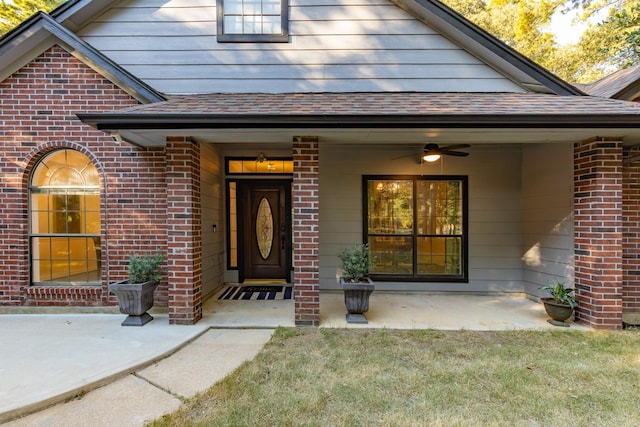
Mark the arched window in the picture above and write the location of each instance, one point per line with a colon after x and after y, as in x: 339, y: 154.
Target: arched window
x: 64, y: 214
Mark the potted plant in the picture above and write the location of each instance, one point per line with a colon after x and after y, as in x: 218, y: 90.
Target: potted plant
x: 135, y: 295
x: 355, y: 282
x: 561, y: 304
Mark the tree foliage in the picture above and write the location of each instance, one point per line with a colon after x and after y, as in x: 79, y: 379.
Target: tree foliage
x: 608, y: 43
x: 13, y: 12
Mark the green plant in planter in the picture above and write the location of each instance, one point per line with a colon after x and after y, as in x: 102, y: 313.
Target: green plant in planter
x: 355, y: 263
x: 560, y: 293
x: 135, y: 295
x: 146, y: 268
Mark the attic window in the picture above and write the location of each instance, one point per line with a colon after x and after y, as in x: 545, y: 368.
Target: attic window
x: 253, y: 21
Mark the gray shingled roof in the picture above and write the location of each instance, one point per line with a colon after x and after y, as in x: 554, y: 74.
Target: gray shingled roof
x: 390, y: 103
x: 613, y: 84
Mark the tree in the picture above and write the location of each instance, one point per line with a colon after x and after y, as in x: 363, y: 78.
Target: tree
x: 609, y: 42
x: 13, y: 12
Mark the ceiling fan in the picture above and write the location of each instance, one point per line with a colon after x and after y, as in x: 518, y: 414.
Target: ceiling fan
x: 432, y: 152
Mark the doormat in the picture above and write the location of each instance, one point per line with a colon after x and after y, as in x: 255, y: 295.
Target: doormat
x: 257, y: 292
x: 249, y: 282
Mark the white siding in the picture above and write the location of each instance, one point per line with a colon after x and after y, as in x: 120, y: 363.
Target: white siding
x: 495, y: 230
x: 547, y: 215
x: 335, y: 46
x: 213, y: 255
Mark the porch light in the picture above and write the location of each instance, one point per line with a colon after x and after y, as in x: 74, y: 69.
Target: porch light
x: 431, y: 157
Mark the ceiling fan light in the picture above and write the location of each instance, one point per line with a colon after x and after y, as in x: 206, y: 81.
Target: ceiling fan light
x: 431, y: 157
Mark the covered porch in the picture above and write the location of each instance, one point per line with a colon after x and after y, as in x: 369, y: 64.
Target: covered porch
x: 539, y: 166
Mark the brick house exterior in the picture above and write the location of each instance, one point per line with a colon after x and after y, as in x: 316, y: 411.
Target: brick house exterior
x: 163, y: 160
x: 37, y: 112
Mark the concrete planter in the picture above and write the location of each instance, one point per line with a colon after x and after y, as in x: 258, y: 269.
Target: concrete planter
x: 557, y: 311
x: 134, y: 299
x: 356, y: 299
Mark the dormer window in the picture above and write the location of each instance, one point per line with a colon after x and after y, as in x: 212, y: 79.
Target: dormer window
x: 253, y: 21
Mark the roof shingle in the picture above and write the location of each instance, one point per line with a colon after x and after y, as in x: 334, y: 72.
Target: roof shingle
x: 389, y: 103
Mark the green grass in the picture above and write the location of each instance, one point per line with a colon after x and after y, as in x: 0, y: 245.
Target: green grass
x: 336, y: 377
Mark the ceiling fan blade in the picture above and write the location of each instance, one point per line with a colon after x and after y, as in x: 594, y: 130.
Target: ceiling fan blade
x: 455, y: 147
x: 455, y: 153
x: 408, y: 155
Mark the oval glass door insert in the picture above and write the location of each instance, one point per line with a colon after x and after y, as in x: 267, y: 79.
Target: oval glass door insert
x: 264, y: 228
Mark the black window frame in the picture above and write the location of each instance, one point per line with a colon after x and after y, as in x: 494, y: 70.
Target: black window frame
x: 414, y: 277
x: 283, y: 37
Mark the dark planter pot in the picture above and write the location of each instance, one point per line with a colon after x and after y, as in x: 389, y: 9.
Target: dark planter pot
x: 134, y: 299
x: 557, y: 311
x: 356, y: 299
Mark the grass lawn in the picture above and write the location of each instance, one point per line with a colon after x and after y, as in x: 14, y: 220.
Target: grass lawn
x: 349, y: 377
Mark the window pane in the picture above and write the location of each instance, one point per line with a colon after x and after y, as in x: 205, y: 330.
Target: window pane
x: 233, y: 226
x: 40, y: 214
x: 252, y: 25
x: 90, y: 175
x: 233, y: 24
x: 66, y: 177
x: 390, y: 207
x: 252, y: 7
x: 272, y: 7
x: 267, y: 166
x: 439, y: 255
x: 391, y: 255
x: 233, y: 7
x: 271, y: 25
x: 439, y: 205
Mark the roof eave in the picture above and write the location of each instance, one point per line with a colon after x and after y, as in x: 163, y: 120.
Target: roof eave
x: 120, y: 121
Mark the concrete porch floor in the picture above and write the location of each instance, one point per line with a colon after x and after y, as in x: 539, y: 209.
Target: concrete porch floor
x: 392, y: 310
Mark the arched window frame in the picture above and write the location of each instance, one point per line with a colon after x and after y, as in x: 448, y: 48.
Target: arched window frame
x: 64, y: 220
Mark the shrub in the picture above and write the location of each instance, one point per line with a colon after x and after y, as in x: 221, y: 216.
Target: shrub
x: 146, y: 268
x: 354, y: 262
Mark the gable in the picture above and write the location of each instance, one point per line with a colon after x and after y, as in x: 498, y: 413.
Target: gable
x: 334, y: 46
x: 40, y: 32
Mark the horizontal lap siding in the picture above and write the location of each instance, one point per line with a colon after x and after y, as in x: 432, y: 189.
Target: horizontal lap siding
x: 334, y: 46
x: 495, y: 230
x: 213, y: 255
x: 547, y: 215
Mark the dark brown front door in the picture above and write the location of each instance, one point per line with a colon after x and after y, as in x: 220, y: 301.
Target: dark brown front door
x: 266, y: 230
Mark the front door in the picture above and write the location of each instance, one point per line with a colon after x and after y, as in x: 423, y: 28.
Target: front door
x: 266, y: 213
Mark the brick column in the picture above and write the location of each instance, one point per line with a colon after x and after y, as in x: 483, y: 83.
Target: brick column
x: 184, y: 234
x: 598, y: 232
x: 631, y: 237
x: 306, y: 240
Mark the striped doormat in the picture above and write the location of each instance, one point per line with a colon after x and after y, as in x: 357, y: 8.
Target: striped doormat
x: 256, y: 292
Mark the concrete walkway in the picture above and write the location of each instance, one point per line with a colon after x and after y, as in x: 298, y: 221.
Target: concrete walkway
x: 87, y: 370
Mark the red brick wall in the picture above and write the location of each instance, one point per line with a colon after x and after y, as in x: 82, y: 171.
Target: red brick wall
x: 631, y: 238
x: 184, y: 217
x: 306, y: 232
x: 37, y: 111
x: 598, y: 233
